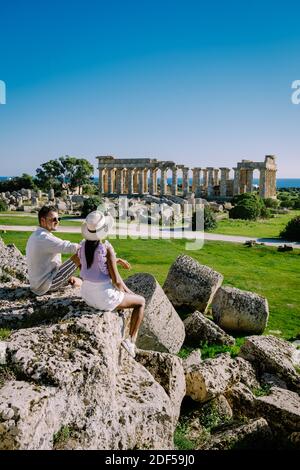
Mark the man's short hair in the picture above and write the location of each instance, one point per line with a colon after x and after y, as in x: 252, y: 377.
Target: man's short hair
x: 44, y: 211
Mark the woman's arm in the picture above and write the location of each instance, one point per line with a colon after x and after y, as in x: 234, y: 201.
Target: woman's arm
x: 114, y: 273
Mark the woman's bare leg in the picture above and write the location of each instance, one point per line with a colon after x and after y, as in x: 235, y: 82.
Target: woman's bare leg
x: 138, y: 304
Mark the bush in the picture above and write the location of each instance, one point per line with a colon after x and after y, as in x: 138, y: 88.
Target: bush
x: 210, y: 221
x: 292, y: 230
x: 248, y: 206
x: 3, y: 206
x: 90, y: 205
x: 90, y: 189
x: 297, y: 204
x: 271, y: 203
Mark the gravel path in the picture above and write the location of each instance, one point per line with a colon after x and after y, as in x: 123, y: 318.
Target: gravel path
x: 144, y: 231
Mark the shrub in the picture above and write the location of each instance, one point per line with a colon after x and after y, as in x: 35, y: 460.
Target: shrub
x: 210, y: 221
x: 90, y: 205
x: 292, y: 230
x: 248, y: 206
x: 297, y: 204
x: 271, y: 203
x: 3, y: 206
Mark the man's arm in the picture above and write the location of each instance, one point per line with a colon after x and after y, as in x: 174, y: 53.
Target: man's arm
x: 56, y: 245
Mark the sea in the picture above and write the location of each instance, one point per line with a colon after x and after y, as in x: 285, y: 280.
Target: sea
x: 280, y: 182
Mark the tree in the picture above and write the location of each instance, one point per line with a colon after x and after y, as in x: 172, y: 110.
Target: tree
x: 292, y: 230
x: 3, y: 206
x: 66, y: 171
x: 89, y: 205
x: 18, y: 182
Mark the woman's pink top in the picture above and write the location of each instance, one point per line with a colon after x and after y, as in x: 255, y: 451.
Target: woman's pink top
x: 98, y: 271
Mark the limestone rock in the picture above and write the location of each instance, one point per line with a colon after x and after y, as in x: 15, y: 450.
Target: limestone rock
x: 281, y: 408
x: 162, y: 329
x: 274, y: 355
x: 211, y: 378
x: 200, y: 329
x: 74, y: 374
x: 191, y: 285
x: 237, y: 310
x: 241, y: 400
x: 168, y: 371
x: 19, y: 307
x: 248, y: 374
x: 256, y: 434
x: 272, y: 380
x: 194, y: 359
x: 12, y: 263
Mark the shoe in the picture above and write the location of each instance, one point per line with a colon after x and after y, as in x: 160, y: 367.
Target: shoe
x: 129, y: 346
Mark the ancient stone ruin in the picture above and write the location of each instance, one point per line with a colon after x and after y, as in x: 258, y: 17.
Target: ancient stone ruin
x: 140, y: 176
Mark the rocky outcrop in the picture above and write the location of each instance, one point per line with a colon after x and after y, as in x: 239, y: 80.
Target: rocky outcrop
x: 193, y: 359
x: 73, y: 374
x: 168, y: 371
x: 281, y: 408
x: 200, y: 329
x: 191, y: 285
x: 12, y: 263
x: 162, y: 329
x: 211, y: 378
x: 273, y: 355
x: 237, y: 310
x: 256, y: 434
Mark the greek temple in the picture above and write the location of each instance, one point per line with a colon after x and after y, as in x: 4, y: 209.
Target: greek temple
x: 142, y: 176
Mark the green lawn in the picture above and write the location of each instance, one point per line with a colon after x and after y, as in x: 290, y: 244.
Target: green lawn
x: 30, y: 220
x: 265, y: 228
x: 259, y: 269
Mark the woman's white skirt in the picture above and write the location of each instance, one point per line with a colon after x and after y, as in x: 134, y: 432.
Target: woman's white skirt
x: 101, y: 295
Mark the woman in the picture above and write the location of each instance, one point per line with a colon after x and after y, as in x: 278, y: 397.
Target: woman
x: 103, y: 287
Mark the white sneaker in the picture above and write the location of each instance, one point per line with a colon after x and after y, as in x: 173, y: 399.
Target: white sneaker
x: 129, y: 346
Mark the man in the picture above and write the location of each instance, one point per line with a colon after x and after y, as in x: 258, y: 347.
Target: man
x: 43, y: 254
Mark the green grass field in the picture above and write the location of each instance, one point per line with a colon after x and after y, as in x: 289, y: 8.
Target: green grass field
x: 259, y: 269
x: 265, y: 228
x: 8, y: 219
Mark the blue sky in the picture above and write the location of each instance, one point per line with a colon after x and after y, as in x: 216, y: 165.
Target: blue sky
x: 197, y: 83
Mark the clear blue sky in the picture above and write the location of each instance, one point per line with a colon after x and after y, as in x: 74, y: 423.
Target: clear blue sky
x: 200, y: 83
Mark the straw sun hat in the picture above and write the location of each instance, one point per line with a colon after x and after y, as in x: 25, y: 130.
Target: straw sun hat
x: 97, y: 226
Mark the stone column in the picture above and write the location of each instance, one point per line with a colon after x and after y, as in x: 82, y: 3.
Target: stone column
x: 224, y: 179
x: 105, y: 181
x: 163, y: 181
x: 174, y: 181
x: 216, y: 177
x: 145, y: 173
x: 262, y: 183
x: 141, y: 181
x: 119, y: 181
x: 236, y: 182
x: 109, y: 181
x: 185, y: 181
x: 130, y: 180
x: 100, y: 184
x: 249, y: 180
x: 196, y: 182
x: 155, y: 170
x: 125, y: 180
x: 205, y: 178
x: 135, y: 181
x: 39, y: 194
x: 210, y: 184
x: 151, y: 181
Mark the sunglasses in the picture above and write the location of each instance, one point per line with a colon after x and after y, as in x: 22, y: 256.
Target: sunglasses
x: 55, y: 219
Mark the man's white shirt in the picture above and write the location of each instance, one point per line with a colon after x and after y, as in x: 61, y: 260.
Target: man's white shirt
x: 43, y: 255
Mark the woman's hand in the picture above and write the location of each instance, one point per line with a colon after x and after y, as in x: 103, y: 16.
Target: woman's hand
x: 123, y: 263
